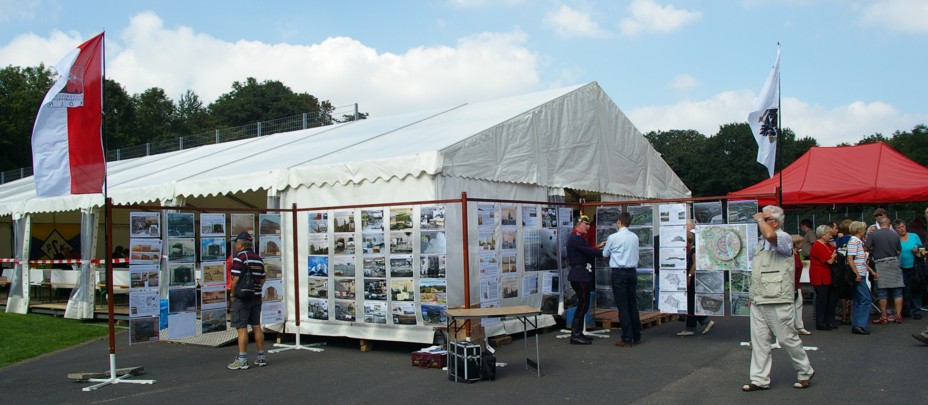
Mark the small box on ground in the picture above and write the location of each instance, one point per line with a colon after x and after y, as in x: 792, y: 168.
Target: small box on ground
x: 433, y: 359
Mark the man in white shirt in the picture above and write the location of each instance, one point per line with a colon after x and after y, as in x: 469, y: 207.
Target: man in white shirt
x: 622, y: 250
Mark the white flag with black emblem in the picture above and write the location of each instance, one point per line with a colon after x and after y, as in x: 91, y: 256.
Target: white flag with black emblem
x: 764, y: 118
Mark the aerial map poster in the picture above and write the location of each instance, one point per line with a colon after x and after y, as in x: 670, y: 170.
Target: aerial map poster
x: 721, y: 247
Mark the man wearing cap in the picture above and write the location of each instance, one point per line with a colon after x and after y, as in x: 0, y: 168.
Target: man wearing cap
x: 877, y: 214
x: 247, y: 311
x: 580, y: 256
x: 622, y: 250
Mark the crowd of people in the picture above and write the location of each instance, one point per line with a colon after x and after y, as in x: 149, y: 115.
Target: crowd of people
x: 853, y: 265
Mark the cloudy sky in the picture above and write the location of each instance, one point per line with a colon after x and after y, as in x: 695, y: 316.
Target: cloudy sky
x: 849, y: 68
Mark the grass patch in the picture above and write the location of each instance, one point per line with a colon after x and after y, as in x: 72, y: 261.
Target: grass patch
x: 27, y: 336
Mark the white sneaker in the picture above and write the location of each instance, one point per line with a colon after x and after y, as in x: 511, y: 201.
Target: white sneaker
x: 708, y: 327
x: 238, y: 364
x: 260, y: 362
x: 685, y: 333
x: 803, y: 331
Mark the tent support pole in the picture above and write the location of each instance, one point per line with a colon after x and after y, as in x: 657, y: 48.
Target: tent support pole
x: 296, y: 294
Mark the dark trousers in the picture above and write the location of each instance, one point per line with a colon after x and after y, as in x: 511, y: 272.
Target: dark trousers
x: 912, y: 296
x: 624, y: 291
x: 826, y: 298
x: 582, y: 289
x: 691, y: 319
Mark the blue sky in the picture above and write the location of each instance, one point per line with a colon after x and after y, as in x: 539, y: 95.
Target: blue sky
x: 849, y: 68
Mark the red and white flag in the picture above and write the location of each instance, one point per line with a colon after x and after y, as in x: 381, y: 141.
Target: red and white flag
x: 67, y: 146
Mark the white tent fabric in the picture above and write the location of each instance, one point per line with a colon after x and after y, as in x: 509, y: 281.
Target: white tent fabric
x: 570, y: 137
x: 518, y: 148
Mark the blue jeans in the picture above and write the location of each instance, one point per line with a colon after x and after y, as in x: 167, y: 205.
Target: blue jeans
x: 624, y: 291
x: 861, y: 305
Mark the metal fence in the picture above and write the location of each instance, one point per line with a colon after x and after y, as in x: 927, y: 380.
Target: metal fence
x: 253, y: 130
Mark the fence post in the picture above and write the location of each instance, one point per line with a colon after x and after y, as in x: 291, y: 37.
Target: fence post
x: 217, y: 136
x: 355, y: 111
x: 180, y: 140
x: 305, y: 120
x: 148, y: 149
x: 259, y: 129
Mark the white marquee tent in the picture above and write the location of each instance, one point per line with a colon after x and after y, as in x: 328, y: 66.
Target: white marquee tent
x: 526, y: 147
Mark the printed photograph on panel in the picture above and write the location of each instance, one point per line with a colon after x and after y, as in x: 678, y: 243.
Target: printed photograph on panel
x: 343, y: 266
x: 375, y: 289
x: 708, y: 212
x: 269, y: 224
x: 181, y: 225
x: 375, y: 266
x: 432, y: 242
x: 372, y: 220
x: 182, y: 249
x: 318, y: 266
x: 432, y: 217
x: 401, y: 266
x: 400, y: 218
x: 345, y: 288
x: 432, y: 266
x: 434, y: 315
x: 345, y: 311
x: 317, y: 309
x: 375, y: 312
x: 401, y: 289
x: 401, y: 241
x: 344, y: 221
x: 213, y: 225
x: 318, y: 222
x: 404, y: 313
x: 243, y: 223
x: 144, y: 225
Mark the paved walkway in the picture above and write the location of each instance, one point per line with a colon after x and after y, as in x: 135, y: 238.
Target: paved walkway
x: 886, y: 367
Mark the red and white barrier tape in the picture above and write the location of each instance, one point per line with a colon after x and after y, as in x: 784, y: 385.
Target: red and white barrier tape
x: 62, y: 261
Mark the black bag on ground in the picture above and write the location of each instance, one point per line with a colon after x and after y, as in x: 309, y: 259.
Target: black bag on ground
x: 487, y: 366
x: 245, y: 287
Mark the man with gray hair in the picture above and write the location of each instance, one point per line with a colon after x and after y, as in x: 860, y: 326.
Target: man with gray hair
x: 771, y: 303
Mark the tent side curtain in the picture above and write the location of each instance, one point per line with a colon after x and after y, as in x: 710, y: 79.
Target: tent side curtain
x: 861, y: 174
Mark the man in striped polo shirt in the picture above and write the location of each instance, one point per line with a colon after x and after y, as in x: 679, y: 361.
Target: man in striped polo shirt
x: 247, y: 311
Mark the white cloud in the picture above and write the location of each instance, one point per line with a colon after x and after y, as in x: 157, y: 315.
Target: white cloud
x: 568, y: 22
x: 829, y: 126
x: 897, y: 15
x: 647, y: 15
x: 340, y: 69
x: 31, y: 49
x: 683, y: 82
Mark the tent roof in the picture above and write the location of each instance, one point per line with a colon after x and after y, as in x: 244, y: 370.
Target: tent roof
x: 871, y: 173
x: 569, y: 137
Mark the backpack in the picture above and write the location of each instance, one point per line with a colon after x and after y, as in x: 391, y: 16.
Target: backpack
x: 245, y: 287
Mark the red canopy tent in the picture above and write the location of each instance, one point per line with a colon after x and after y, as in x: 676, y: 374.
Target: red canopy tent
x: 871, y: 173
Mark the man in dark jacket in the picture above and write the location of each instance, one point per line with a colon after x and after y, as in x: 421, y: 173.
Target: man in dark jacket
x: 580, y: 256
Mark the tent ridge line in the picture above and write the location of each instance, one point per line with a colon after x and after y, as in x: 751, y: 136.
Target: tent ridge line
x: 365, y: 140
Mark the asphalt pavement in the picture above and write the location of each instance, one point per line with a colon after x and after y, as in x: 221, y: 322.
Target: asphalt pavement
x: 888, y: 366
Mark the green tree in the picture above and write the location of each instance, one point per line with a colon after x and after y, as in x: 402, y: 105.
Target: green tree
x: 684, y: 151
x: 190, y: 115
x: 118, y: 117
x: 913, y: 144
x: 154, y: 112
x: 21, y: 93
x: 251, y: 102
